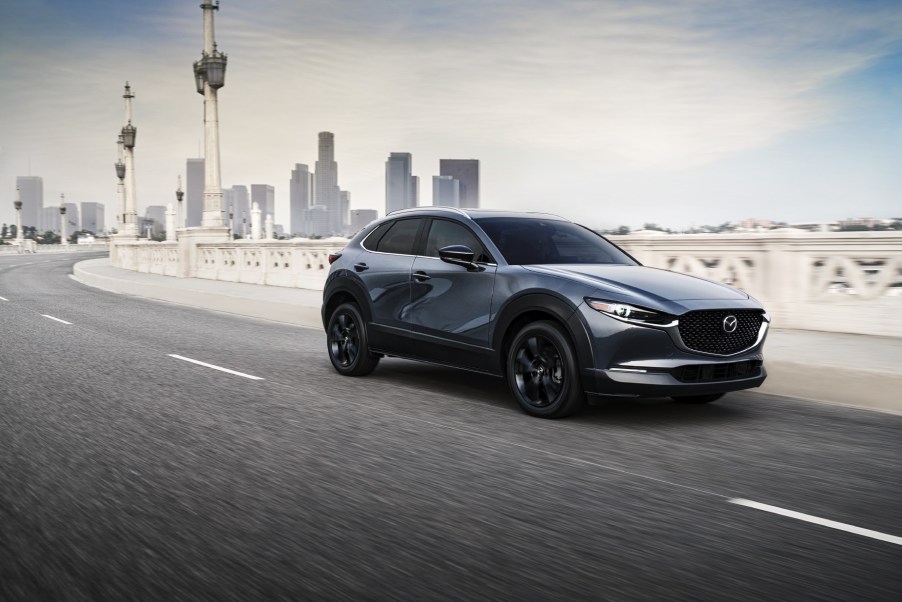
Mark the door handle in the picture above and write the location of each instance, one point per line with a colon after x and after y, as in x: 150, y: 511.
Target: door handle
x: 421, y: 276
x: 360, y: 267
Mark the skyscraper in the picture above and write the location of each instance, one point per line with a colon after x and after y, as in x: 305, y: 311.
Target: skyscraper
x: 401, y: 188
x: 72, y: 219
x: 92, y: 217
x: 301, y: 193
x: 236, y: 200
x: 265, y: 197
x: 361, y: 217
x: 326, y: 191
x: 31, y: 193
x: 465, y: 171
x: 194, y: 192
x: 445, y: 191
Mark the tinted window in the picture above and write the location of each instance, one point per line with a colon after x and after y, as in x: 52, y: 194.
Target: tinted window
x: 444, y: 233
x: 400, y: 237
x: 525, y: 241
x: 372, y: 240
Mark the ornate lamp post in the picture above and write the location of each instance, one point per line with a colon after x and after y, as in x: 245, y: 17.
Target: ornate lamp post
x: 18, y: 205
x: 209, y: 76
x: 179, y: 196
x: 64, y: 240
x: 120, y: 187
x: 128, y: 142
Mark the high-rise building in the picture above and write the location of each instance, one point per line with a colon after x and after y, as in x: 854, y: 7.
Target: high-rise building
x: 72, y: 218
x: 325, y: 190
x: 465, y: 171
x: 92, y: 217
x: 155, y: 220
x: 265, y: 197
x: 236, y: 200
x: 445, y: 191
x: 31, y: 193
x: 316, y: 221
x: 401, y: 188
x: 361, y: 217
x: 50, y: 219
x: 194, y: 192
x: 344, y: 209
x: 301, y: 194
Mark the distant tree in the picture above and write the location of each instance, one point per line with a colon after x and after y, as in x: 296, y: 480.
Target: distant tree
x: 650, y: 226
x: 47, y: 238
x: 896, y: 225
x: 853, y: 228
x: 3, y: 231
x: 623, y: 230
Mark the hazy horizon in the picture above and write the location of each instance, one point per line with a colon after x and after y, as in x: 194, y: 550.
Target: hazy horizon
x: 678, y: 113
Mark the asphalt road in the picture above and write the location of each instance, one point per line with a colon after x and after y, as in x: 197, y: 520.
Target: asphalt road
x: 127, y: 473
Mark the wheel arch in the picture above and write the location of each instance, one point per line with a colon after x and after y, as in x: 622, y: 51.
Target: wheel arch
x: 532, y: 307
x: 345, y: 290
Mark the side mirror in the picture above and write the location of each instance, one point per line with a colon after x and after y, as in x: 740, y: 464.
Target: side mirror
x: 458, y: 255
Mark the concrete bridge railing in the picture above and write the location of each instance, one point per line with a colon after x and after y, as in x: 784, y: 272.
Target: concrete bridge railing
x: 833, y: 282
x: 30, y: 246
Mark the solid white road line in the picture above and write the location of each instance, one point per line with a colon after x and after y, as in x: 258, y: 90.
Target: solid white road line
x: 820, y: 521
x: 220, y: 368
x: 57, y: 319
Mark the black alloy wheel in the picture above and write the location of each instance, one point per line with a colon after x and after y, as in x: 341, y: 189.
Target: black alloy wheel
x: 348, y: 344
x: 542, y: 372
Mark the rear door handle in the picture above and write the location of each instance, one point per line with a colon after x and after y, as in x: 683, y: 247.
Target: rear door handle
x: 421, y: 276
x: 360, y: 267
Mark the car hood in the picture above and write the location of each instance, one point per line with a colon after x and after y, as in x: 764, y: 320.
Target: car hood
x: 643, y: 282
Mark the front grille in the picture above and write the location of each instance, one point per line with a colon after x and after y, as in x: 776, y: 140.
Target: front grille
x: 703, y: 331
x: 702, y: 373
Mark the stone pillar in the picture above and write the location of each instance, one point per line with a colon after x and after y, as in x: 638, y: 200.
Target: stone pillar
x: 268, y: 227
x: 255, y: 221
x: 170, y: 223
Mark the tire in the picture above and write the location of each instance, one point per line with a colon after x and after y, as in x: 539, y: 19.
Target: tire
x: 347, y: 342
x: 542, y: 372
x: 698, y: 398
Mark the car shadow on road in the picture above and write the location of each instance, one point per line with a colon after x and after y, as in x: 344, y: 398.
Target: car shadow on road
x: 493, y: 392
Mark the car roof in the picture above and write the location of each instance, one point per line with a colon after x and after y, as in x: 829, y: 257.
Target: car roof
x: 473, y: 213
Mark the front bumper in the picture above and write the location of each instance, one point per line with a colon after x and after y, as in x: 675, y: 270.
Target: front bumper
x: 640, y: 361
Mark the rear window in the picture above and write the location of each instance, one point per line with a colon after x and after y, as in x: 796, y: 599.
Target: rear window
x: 526, y: 241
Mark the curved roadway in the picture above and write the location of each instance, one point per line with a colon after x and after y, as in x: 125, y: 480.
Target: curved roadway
x: 130, y: 471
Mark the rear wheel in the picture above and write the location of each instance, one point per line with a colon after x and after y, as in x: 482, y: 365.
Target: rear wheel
x: 348, y: 343
x: 698, y: 398
x: 542, y: 371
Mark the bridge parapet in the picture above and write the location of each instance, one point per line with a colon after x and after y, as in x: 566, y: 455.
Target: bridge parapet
x: 832, y: 282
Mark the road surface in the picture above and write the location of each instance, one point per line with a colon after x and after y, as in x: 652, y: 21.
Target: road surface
x: 151, y: 451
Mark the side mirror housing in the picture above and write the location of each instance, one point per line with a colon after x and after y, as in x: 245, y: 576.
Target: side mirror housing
x: 458, y: 255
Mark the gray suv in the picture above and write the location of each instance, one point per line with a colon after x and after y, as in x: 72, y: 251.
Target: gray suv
x: 554, y: 308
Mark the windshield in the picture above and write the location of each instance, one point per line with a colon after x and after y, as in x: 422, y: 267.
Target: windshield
x: 525, y: 241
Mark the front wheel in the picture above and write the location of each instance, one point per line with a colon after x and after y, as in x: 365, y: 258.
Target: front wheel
x: 698, y: 398
x: 542, y: 371
x: 348, y: 343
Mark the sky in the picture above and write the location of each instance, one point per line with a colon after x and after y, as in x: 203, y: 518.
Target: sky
x: 607, y: 112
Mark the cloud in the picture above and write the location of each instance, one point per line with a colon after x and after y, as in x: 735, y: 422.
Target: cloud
x: 611, y: 87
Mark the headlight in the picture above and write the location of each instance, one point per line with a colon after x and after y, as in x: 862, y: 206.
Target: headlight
x: 631, y: 313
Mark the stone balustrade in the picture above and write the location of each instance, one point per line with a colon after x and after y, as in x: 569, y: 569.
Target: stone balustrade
x: 30, y: 246
x: 835, y: 282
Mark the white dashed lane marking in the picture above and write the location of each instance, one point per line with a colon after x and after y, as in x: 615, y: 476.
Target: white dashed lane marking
x: 220, y: 368
x: 57, y: 319
x: 819, y: 521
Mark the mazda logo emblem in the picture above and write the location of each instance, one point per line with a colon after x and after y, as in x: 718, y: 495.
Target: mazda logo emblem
x: 729, y: 324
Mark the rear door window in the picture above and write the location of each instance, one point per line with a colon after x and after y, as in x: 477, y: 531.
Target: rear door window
x: 400, y: 238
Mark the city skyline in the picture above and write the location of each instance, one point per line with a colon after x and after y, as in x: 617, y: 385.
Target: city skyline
x: 674, y: 113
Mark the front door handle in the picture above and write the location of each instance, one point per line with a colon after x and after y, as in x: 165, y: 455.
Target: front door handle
x: 361, y: 267
x: 421, y: 276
